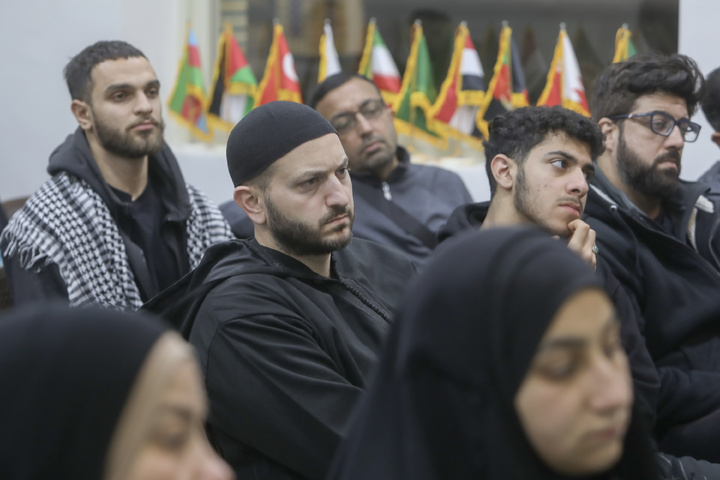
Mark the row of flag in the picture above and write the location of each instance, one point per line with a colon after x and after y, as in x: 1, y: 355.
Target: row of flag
x: 461, y: 110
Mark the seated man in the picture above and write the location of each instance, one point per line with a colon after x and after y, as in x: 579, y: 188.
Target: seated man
x: 656, y: 232
x: 397, y: 203
x: 539, y: 162
x: 116, y: 223
x: 287, y: 324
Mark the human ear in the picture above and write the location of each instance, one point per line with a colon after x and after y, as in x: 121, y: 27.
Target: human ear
x: 503, y: 169
x: 610, y: 131
x: 249, y: 198
x: 83, y: 114
x: 715, y: 137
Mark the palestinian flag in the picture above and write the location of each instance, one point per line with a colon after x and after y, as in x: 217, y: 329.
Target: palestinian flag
x: 234, y: 84
x: 378, y: 65
x: 564, y: 85
x: 461, y: 94
x: 187, y: 102
x: 280, y: 80
x: 507, y: 89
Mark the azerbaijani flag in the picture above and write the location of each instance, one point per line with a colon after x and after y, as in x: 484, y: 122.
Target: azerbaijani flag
x: 329, y: 58
x: 564, y: 84
x: 234, y: 84
x: 461, y: 94
x: 417, y: 95
x: 378, y: 65
x: 280, y: 80
x: 624, y: 46
x: 507, y: 89
x: 187, y: 102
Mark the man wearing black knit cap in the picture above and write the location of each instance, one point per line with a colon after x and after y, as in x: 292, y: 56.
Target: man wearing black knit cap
x: 287, y: 324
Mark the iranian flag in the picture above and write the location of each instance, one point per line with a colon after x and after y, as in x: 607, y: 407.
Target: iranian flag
x: 564, y: 84
x: 378, y: 65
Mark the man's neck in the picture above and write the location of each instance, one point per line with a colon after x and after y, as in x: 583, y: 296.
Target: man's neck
x: 319, y: 264
x: 129, y: 175
x: 501, y: 213
x: 649, y: 205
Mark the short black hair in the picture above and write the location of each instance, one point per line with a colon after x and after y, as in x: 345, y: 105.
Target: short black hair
x: 78, y: 72
x: 334, y: 81
x: 711, y: 101
x: 621, y: 84
x: 518, y: 131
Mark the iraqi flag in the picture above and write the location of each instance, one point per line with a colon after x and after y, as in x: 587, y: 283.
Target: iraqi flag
x: 461, y: 94
x: 378, y: 65
x: 234, y: 84
x: 329, y: 58
x: 280, y: 80
x: 564, y: 85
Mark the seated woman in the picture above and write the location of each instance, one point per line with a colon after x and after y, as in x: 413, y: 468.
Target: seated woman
x: 95, y: 394
x: 505, y: 362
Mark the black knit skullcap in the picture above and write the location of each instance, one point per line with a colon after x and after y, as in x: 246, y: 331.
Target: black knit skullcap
x: 269, y: 132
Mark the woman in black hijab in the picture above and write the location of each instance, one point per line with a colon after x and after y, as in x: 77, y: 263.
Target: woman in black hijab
x: 505, y: 363
x: 96, y: 394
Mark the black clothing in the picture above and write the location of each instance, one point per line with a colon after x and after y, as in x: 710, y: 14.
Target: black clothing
x: 645, y: 377
x: 676, y: 290
x: 66, y: 376
x: 443, y: 403
x: 77, y: 205
x: 285, y: 352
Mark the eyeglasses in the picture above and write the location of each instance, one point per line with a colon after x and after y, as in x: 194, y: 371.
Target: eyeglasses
x: 370, y: 109
x: 663, y: 124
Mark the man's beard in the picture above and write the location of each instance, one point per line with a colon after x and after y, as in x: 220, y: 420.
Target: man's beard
x: 647, y: 179
x: 524, y: 205
x: 298, y: 238
x: 123, y: 144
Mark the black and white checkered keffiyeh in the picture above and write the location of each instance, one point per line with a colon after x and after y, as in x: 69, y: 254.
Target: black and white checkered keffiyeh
x: 66, y: 223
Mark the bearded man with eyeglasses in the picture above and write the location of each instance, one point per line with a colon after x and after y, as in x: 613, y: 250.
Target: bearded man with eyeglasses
x: 397, y: 202
x: 657, y: 233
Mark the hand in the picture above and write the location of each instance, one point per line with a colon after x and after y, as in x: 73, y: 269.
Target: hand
x: 582, y: 241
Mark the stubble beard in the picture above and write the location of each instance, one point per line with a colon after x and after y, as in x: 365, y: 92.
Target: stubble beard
x: 647, y: 179
x: 128, y: 144
x: 298, y: 238
x: 524, y: 206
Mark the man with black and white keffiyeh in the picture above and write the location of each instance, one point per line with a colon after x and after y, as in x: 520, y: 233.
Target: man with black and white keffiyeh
x: 116, y: 223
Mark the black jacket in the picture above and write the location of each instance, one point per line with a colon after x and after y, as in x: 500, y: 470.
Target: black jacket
x: 285, y: 352
x: 645, y: 376
x: 676, y: 289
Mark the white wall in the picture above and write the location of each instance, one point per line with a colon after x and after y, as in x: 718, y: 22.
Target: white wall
x: 38, y: 37
x: 699, y: 37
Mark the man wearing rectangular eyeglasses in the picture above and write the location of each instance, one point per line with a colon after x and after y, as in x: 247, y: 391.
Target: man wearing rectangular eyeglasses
x: 656, y: 233
x: 397, y: 203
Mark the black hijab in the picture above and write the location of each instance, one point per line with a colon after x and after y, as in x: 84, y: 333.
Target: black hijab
x: 65, y: 376
x: 442, y: 404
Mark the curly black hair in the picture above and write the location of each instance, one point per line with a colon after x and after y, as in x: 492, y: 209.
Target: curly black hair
x: 517, y: 132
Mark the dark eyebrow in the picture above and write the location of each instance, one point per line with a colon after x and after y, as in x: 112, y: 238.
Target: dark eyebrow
x: 576, y: 343
x: 348, y: 112
x: 126, y: 86
x: 588, y: 168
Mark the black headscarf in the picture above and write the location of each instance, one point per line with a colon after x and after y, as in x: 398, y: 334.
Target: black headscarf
x: 442, y: 404
x: 65, y: 376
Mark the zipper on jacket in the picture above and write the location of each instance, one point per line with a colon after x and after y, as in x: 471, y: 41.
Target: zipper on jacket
x: 380, y: 311
x: 386, y: 191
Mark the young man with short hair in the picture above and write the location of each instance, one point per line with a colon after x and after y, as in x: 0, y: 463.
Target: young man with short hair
x: 116, y: 223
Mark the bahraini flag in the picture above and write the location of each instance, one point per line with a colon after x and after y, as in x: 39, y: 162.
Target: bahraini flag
x: 564, y: 85
x: 187, y: 103
x: 280, y: 80
x: 507, y: 89
x: 461, y: 94
x: 378, y: 65
x: 624, y: 46
x: 329, y: 58
x: 233, y: 85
